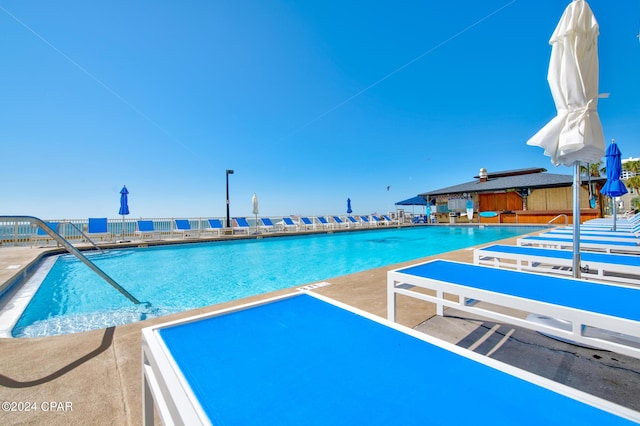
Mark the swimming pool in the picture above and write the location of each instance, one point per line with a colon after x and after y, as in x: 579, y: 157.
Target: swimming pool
x: 177, y: 278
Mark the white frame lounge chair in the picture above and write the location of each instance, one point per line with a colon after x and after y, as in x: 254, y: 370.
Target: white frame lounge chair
x: 184, y: 380
x: 621, y: 221
x: 98, y: 228
x: 388, y: 220
x: 338, y: 222
x: 585, y: 232
x: 183, y: 227
x: 41, y: 235
x: 352, y: 221
x: 215, y: 226
x: 610, y: 307
x: 585, y: 244
x: 324, y: 222
x: 307, y: 223
x: 365, y: 221
x: 266, y: 224
x: 240, y: 224
x: 620, y: 268
x: 289, y: 224
x: 591, y: 236
x: 609, y: 226
x: 377, y: 220
x: 146, y: 228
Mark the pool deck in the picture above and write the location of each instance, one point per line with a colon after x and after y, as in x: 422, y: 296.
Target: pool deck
x: 95, y: 377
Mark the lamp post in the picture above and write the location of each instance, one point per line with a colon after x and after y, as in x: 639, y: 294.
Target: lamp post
x: 229, y: 172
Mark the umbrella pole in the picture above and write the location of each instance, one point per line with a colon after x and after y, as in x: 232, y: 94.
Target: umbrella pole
x: 615, y: 211
x: 576, y: 221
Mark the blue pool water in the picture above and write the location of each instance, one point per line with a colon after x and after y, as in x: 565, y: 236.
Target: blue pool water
x: 177, y: 278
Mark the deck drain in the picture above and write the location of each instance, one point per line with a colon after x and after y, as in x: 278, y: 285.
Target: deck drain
x: 314, y: 285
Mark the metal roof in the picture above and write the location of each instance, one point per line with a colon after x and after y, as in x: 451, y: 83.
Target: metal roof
x: 414, y: 201
x: 515, y: 172
x: 529, y: 180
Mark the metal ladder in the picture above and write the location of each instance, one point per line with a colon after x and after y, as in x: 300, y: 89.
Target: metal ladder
x: 71, y: 249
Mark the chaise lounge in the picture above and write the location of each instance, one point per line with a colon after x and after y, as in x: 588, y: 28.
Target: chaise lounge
x: 266, y: 224
x: 146, y: 229
x: 611, y: 308
x: 41, y: 235
x: 215, y: 226
x: 241, y: 225
x: 206, y: 369
x: 618, y: 268
x: 183, y: 228
x: 611, y: 236
x: 98, y: 229
x: 289, y: 224
x: 324, y: 222
x: 585, y: 244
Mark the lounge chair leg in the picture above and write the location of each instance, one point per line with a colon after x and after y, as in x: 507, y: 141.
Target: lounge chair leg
x: 391, y: 301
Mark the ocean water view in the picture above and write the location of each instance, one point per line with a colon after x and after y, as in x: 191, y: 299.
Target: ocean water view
x: 180, y: 277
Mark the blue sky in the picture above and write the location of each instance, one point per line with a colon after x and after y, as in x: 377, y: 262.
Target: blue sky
x: 310, y: 102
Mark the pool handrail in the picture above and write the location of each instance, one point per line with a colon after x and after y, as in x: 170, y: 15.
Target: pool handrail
x: 86, y: 237
x: 71, y: 249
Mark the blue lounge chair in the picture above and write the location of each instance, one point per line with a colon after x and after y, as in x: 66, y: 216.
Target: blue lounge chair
x: 178, y: 372
x: 98, y: 228
x: 215, y: 226
x: 146, y: 229
x: 288, y: 223
x: 266, y: 224
x: 365, y: 220
x: 41, y: 235
x: 603, y: 308
x: 618, y: 268
x: 585, y: 244
x: 352, y: 221
x: 632, y: 220
x: 308, y: 223
x: 608, y: 225
x: 387, y: 219
x: 324, y: 222
x: 339, y: 222
x: 377, y: 220
x: 597, y: 231
x: 241, y: 225
x: 610, y: 236
x: 183, y: 228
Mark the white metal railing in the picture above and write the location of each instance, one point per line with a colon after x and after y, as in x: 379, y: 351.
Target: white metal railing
x: 566, y: 219
x: 54, y: 234
x: 24, y: 232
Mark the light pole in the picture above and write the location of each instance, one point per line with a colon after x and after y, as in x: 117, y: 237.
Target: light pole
x: 229, y: 172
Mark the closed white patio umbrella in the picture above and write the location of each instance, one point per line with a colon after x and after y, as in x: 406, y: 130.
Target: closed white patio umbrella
x: 575, y: 134
x: 254, y: 202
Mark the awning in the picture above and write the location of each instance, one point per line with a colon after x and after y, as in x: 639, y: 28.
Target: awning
x: 415, y: 201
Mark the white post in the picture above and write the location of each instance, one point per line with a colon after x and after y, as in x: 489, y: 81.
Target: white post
x: 391, y: 300
x: 576, y: 221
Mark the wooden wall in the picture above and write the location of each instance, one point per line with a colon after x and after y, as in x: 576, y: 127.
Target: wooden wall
x: 542, y: 206
x: 541, y: 217
x: 556, y: 199
x: 500, y: 201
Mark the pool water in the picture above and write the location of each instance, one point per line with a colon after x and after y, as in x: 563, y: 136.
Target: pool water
x: 180, y: 277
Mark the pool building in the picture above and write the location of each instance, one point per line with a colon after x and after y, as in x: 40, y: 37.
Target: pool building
x: 517, y: 196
